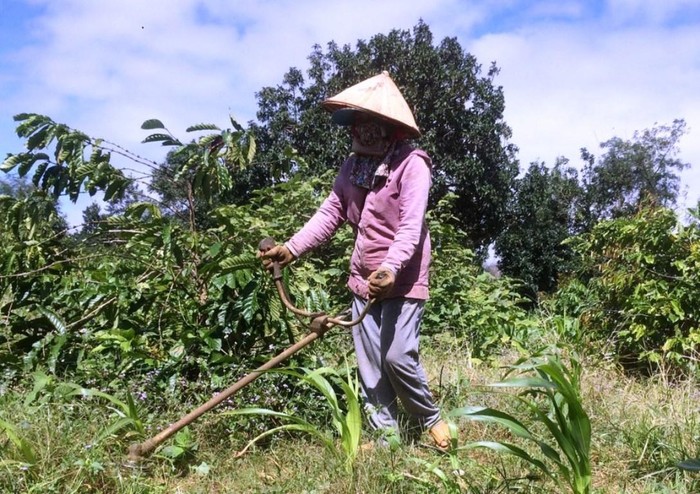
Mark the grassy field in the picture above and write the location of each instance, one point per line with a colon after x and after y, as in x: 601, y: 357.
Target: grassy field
x: 640, y: 430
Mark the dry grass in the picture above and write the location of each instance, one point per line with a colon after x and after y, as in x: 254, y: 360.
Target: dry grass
x: 641, y: 428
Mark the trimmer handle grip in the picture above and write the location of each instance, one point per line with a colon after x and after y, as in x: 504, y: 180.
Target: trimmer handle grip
x: 264, y: 246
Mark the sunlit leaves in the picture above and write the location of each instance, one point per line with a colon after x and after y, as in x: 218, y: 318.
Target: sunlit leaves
x: 79, y: 163
x: 211, y: 162
x: 466, y: 301
x: 165, y: 139
x: 201, y: 126
x: 641, y: 275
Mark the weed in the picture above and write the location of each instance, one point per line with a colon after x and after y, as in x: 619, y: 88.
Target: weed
x: 565, y: 420
x: 345, y: 414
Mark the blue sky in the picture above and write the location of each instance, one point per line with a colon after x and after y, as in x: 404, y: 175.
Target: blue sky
x: 574, y: 73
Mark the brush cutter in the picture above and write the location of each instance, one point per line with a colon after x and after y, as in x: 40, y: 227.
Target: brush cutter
x: 319, y: 325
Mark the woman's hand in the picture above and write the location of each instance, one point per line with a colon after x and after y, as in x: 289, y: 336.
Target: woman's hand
x: 380, y: 283
x: 279, y: 254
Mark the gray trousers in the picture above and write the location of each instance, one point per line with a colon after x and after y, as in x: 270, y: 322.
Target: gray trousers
x: 386, y: 346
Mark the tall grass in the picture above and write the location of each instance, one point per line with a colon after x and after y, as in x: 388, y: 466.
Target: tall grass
x: 567, y: 439
x: 640, y: 431
x: 345, y: 411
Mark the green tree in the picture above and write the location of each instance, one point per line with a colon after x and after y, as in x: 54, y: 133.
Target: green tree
x: 644, y: 169
x: 542, y: 216
x: 92, y: 217
x: 459, y: 110
x: 15, y: 186
x: 551, y: 205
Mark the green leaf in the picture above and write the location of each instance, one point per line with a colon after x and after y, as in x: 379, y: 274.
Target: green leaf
x: 177, y: 350
x: 54, y: 319
x: 152, y: 123
x: 80, y: 391
x: 166, y: 139
x: 22, y: 116
x: 214, y: 249
x: 235, y: 124
x: 201, y: 469
x: 244, y: 261
x: 202, y: 126
x: 502, y: 447
x: 167, y: 233
x: 23, y: 446
x: 39, y: 173
x: 172, y: 451
x: 12, y: 161
x: 41, y: 382
x: 137, y: 209
x: 118, y: 425
x: 252, y: 148
x: 493, y: 416
x: 261, y: 411
x: 524, y: 382
x: 115, y: 188
x: 58, y: 343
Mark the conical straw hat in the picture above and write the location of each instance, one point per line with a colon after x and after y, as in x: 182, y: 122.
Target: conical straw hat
x: 379, y: 96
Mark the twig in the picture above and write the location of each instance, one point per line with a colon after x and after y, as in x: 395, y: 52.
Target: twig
x: 92, y: 313
x: 48, y: 266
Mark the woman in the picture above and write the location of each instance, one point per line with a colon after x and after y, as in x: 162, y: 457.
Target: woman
x: 382, y: 192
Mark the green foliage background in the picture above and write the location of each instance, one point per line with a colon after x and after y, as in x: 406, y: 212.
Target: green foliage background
x: 162, y: 297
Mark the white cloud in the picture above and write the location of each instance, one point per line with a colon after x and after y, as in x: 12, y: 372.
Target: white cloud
x: 572, y: 76
x: 654, y: 11
x: 569, y: 86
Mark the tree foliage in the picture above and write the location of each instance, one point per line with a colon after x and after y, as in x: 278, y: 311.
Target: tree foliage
x: 138, y: 292
x: 77, y: 163
x: 644, y: 169
x: 642, y: 290
x: 142, y: 294
x: 466, y: 302
x: 459, y: 110
x: 552, y: 204
x: 543, y: 215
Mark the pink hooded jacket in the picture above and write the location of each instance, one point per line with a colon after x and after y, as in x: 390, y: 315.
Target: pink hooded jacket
x: 388, y: 221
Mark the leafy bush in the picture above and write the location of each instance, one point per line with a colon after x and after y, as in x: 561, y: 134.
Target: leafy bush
x: 644, y: 292
x: 466, y: 301
x: 146, y: 297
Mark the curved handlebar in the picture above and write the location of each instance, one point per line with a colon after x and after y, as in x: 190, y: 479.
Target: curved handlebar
x: 267, y: 244
x: 319, y: 325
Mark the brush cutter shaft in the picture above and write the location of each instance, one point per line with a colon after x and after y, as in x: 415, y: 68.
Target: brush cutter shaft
x: 139, y: 450
x: 320, y: 324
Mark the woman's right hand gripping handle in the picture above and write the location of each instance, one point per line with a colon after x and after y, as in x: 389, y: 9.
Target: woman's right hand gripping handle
x: 274, y: 257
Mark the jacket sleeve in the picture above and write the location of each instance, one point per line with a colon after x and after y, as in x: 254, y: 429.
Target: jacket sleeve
x: 413, y: 203
x: 323, y: 224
